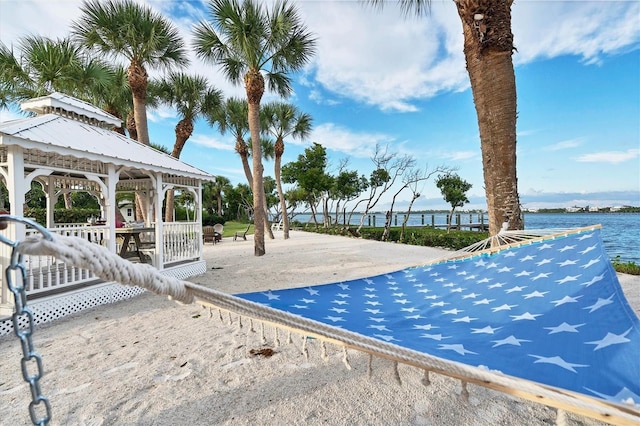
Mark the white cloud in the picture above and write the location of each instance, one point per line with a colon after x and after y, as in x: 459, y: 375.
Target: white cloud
x: 210, y: 142
x: 461, y: 155
x: 571, y: 143
x: 586, y: 29
x: 341, y: 139
x: 317, y: 97
x: 159, y: 114
x: 381, y: 58
x: 612, y: 157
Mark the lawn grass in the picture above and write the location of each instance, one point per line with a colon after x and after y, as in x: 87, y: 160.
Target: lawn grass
x: 231, y: 227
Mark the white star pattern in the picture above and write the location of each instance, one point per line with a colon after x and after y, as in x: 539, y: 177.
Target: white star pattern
x: 484, y: 301
x: 567, y: 279
x: 457, y: 348
x: 535, y: 294
x: 556, y: 360
x: 590, y: 263
x: 504, y: 307
x: 437, y: 337
x: 271, y: 296
x: 540, y: 276
x: 566, y: 299
x: 564, y: 328
x: 599, y: 304
x: 424, y: 327
x: 511, y: 340
x: 594, y: 280
x: 525, y: 316
x: 486, y: 330
x: 551, y: 312
x: 610, y: 339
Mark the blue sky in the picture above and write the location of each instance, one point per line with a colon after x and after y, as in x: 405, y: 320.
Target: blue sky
x: 378, y: 78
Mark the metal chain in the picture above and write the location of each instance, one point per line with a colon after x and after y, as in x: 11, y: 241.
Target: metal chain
x: 29, y: 355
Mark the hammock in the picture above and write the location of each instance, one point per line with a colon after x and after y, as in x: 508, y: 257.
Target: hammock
x: 544, y: 319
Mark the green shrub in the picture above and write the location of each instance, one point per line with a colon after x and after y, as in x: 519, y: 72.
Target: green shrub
x: 211, y: 219
x: 62, y: 215
x: 631, y: 268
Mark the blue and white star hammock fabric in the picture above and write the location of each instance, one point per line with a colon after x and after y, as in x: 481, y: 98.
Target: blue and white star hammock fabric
x: 550, y: 311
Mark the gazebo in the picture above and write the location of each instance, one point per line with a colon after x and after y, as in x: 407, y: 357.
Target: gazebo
x: 69, y: 146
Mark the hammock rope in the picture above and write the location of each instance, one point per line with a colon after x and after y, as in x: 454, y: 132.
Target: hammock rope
x: 111, y: 267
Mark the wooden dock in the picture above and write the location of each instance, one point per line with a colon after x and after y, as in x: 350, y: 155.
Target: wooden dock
x: 462, y: 226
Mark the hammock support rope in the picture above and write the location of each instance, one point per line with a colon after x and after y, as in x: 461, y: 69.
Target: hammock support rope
x: 111, y: 267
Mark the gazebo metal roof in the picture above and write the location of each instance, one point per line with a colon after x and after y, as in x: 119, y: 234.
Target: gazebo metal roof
x: 56, y: 135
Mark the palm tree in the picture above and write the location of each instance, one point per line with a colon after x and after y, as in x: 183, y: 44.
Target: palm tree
x: 192, y: 97
x: 44, y: 65
x: 115, y: 98
x: 488, y: 49
x: 220, y: 185
x: 283, y: 120
x: 233, y: 117
x: 126, y: 29
x: 247, y: 40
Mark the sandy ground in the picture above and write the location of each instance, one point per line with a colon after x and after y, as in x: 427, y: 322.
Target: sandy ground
x: 151, y: 361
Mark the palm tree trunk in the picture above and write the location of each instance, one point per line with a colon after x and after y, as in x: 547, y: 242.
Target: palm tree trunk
x: 254, y: 86
x: 283, y: 204
x: 267, y: 227
x: 68, y: 203
x: 488, y: 48
x: 138, y: 81
x: 168, y: 206
x: 257, y: 184
x: 243, y: 152
x: 131, y: 127
x: 183, y: 130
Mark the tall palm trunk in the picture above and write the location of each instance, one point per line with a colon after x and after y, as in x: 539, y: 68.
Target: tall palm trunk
x: 113, y: 111
x: 131, y: 126
x: 184, y: 130
x: 243, y: 152
x: 254, y: 84
x: 488, y: 49
x: 141, y: 210
x: 279, y: 150
x: 138, y: 81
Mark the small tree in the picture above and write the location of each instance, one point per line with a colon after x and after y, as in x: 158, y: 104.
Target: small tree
x: 454, y: 190
x: 310, y: 175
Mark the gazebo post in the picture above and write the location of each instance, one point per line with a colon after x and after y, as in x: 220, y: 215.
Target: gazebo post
x: 16, y: 184
x: 159, y: 234
x: 51, y: 202
x: 111, y: 205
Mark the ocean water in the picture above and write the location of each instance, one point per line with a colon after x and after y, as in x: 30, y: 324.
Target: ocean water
x: 620, y: 231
